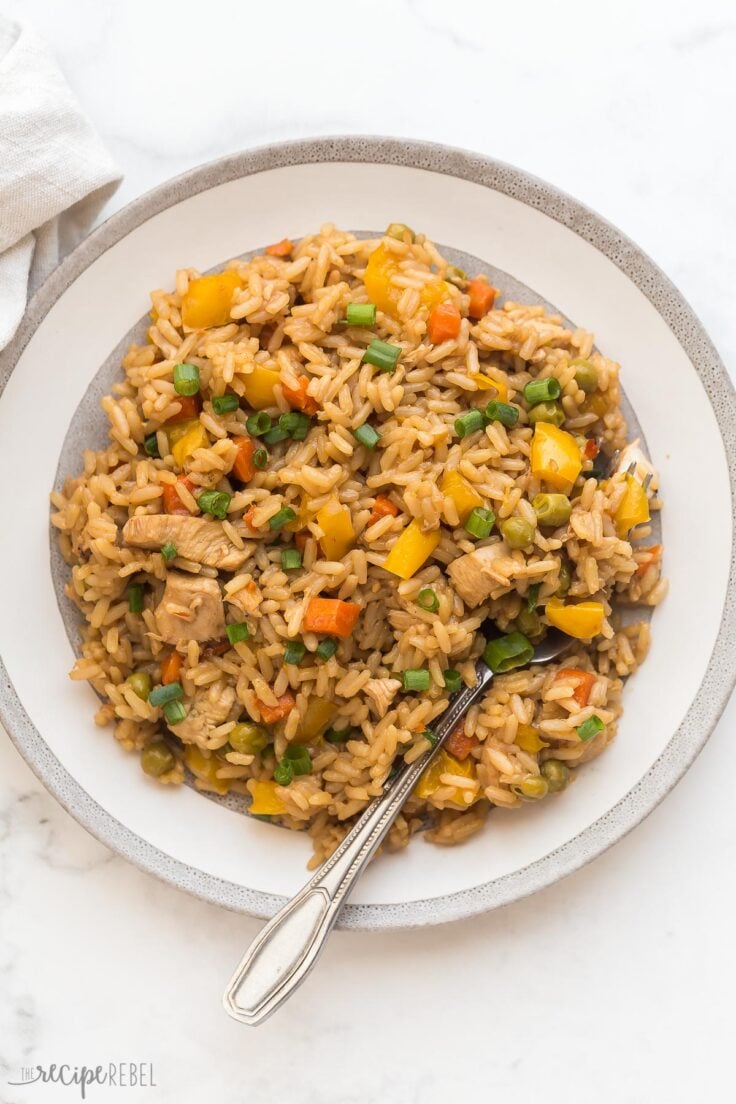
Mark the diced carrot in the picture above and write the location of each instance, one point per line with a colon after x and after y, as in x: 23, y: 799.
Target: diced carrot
x: 172, y: 503
x: 300, y: 539
x: 653, y: 554
x: 459, y: 744
x: 171, y: 668
x: 273, y: 713
x: 248, y: 516
x: 482, y: 295
x: 584, y: 683
x: 331, y: 615
x: 244, y: 469
x: 591, y: 449
x: 444, y: 323
x: 280, y: 249
x: 382, y: 507
x: 189, y: 409
x: 299, y: 398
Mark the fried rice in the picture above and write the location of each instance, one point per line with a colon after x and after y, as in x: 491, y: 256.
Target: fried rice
x: 266, y: 654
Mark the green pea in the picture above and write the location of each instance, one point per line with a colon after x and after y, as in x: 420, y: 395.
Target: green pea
x: 586, y: 375
x: 552, y: 510
x: 556, y: 773
x: 533, y: 787
x: 399, y: 230
x: 547, y: 412
x: 528, y: 623
x: 565, y: 580
x: 157, y: 759
x: 517, y: 532
x: 456, y: 276
x: 140, y: 682
x: 248, y: 739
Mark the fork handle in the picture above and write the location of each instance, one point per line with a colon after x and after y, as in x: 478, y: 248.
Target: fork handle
x: 285, y: 950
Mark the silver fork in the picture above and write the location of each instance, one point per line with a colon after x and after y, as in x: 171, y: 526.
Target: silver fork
x: 287, y: 948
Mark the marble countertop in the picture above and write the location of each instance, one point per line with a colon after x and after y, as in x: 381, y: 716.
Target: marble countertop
x: 615, y: 985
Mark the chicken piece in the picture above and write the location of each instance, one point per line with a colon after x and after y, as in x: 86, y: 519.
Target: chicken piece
x: 382, y: 692
x: 210, y: 707
x: 194, y: 538
x: 473, y: 575
x: 191, y: 609
x: 641, y: 467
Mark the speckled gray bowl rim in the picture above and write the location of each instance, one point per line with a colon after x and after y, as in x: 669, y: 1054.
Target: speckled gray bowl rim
x: 720, y: 675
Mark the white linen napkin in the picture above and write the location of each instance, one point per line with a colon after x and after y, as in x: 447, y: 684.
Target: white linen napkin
x: 55, y: 174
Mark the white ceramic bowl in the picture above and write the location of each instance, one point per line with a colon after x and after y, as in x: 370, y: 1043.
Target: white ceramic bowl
x: 567, y: 256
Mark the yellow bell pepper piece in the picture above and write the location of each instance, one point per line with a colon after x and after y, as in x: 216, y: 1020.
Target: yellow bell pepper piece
x: 633, y: 509
x: 258, y: 387
x: 208, y: 300
x: 433, y: 293
x: 266, y: 801
x: 411, y: 550
x: 317, y: 716
x: 195, y: 437
x: 462, y: 494
x: 381, y: 268
x: 555, y: 456
x: 179, y: 430
x: 338, y: 535
x: 205, y: 769
x: 444, y: 763
x: 487, y: 383
x: 527, y: 738
x: 582, y: 620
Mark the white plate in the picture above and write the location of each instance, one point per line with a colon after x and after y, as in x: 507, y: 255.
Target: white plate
x: 568, y: 256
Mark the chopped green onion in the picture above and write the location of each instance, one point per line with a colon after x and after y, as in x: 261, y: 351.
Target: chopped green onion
x: 283, y: 772
x: 327, y: 647
x: 150, y: 446
x: 542, y: 390
x: 291, y: 559
x: 258, y: 424
x: 135, y: 598
x: 295, y: 652
x: 532, y: 597
x: 367, y: 436
x: 480, y: 522
x: 470, y: 422
x: 299, y: 757
x: 225, y: 404
x: 168, y: 551
x: 174, y: 712
x: 237, y: 632
x: 502, y: 412
x: 282, y: 518
x: 360, y: 314
x: 453, y: 680
x: 431, y: 736
x: 260, y: 459
x: 186, y: 379
x: 160, y: 695
x: 590, y: 728
x: 507, y: 652
x: 382, y: 355
x: 399, y: 230
x: 333, y: 736
x: 215, y: 503
x: 416, y: 678
x: 295, y: 424
x: 428, y: 600
x: 275, y: 436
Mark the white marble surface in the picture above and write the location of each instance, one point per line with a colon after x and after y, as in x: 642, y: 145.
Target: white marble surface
x: 614, y: 986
